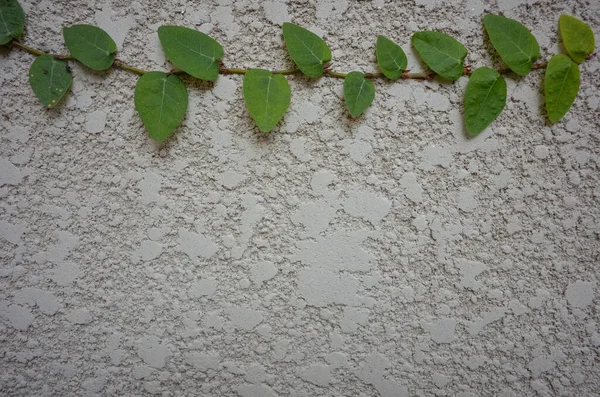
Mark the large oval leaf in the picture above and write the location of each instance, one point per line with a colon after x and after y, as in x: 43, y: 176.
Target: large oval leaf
x: 514, y: 42
x: 50, y: 79
x: 577, y: 36
x: 12, y: 20
x: 443, y: 54
x: 484, y: 99
x: 161, y: 100
x: 561, y: 85
x: 390, y: 58
x: 359, y: 93
x: 306, y: 49
x: 191, y: 51
x: 91, y: 46
x: 267, y: 97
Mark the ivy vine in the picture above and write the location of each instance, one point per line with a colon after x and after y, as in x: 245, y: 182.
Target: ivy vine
x: 161, y: 98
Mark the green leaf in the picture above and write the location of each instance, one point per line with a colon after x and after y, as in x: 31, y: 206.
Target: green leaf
x: 484, y: 99
x: 561, y: 85
x: 161, y: 100
x: 515, y: 44
x: 577, y: 36
x: 12, y: 20
x: 267, y: 97
x: 306, y: 49
x: 49, y: 79
x: 441, y: 53
x: 359, y: 93
x: 91, y: 46
x: 390, y: 58
x: 191, y: 51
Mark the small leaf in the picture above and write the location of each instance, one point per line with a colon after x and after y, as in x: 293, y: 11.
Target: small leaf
x: 484, y: 99
x: 191, y: 51
x: 561, y: 85
x: 13, y: 20
x: 359, y: 93
x: 306, y: 49
x: 91, y: 46
x: 161, y: 100
x: 515, y: 44
x: 390, y: 58
x: 49, y: 79
x: 577, y: 36
x: 267, y: 97
x: 443, y: 54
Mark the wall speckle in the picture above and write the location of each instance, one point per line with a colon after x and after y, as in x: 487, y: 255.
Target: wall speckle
x: 9, y: 174
x: 96, y: 121
x: 16, y: 316
x: 580, y: 294
x: 196, y: 245
x: 442, y: 331
x: 153, y: 352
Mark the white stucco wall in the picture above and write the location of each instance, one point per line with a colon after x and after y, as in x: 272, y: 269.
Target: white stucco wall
x: 385, y: 255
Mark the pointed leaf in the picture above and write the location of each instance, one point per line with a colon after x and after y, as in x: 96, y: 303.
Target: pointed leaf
x: 515, y: 44
x: 50, y: 79
x: 161, y: 100
x: 561, y: 85
x: 12, y: 20
x: 191, y: 51
x: 267, y: 97
x: 484, y: 99
x: 443, y: 54
x: 577, y: 36
x: 390, y: 58
x: 359, y: 93
x: 91, y: 46
x: 306, y: 49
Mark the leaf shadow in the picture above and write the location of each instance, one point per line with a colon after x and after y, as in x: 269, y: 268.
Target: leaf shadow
x: 4, y: 50
x: 197, y: 84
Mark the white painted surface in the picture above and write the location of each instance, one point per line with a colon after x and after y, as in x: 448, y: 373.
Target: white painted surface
x: 387, y: 255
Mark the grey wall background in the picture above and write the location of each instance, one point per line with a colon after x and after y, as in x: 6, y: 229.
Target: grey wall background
x: 385, y: 255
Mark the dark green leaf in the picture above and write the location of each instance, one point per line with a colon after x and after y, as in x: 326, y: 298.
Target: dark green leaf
x: 561, y: 85
x: 359, y: 93
x: 12, y: 20
x: 484, y: 99
x: 514, y: 42
x: 91, y: 46
x: 49, y: 79
x: 390, y: 58
x: 306, y: 49
x: 267, y: 97
x: 161, y: 100
x: 191, y: 51
x: 577, y: 36
x: 441, y: 53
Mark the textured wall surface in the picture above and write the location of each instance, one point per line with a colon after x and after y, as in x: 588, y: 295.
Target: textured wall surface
x: 380, y: 256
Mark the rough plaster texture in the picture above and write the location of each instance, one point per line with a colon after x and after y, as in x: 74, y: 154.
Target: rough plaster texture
x: 382, y: 256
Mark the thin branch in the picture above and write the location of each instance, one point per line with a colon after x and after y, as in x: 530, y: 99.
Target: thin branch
x: 27, y: 48
x: 224, y: 70
x: 120, y: 64
x: 337, y: 75
x: 406, y: 75
x: 535, y: 66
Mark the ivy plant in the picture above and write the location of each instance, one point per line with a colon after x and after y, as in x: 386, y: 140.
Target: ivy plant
x: 514, y: 42
x: 161, y: 101
x: 443, y: 54
x: 161, y: 98
x: 267, y: 97
x: 13, y: 19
